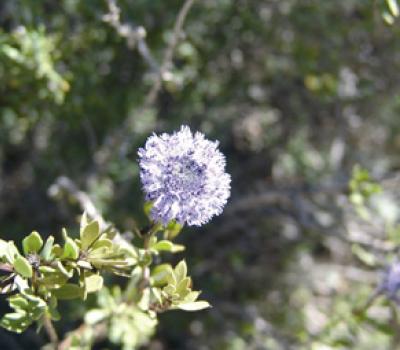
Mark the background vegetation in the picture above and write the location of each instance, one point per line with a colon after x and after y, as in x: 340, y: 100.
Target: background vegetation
x: 297, y: 92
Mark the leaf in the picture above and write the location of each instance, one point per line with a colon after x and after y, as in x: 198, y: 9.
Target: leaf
x: 11, y: 253
x: 18, y: 302
x: 95, y: 316
x: 173, y: 229
x: 68, y: 291
x: 32, y: 243
x: 63, y: 270
x: 393, y: 7
x: 183, y: 287
x: 46, y: 252
x: 363, y: 255
x: 84, y: 221
x: 180, y: 271
x: 3, y: 248
x: 162, y: 274
x: 194, y: 306
x: 90, y: 234
x: 22, y: 266
x: 71, y: 250
x: 84, y: 264
x: 192, y: 296
x: 93, y: 283
x: 163, y: 245
x: 103, y: 243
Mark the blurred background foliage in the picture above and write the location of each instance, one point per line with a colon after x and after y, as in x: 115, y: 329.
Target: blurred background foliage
x: 297, y: 92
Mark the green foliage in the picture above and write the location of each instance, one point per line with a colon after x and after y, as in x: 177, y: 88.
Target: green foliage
x: 51, y: 272
x: 362, y: 187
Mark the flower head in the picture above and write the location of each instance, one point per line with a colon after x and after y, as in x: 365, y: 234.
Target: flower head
x: 391, y: 282
x: 183, y: 174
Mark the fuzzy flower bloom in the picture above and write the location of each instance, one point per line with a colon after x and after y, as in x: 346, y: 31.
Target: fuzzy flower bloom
x: 183, y: 174
x: 391, y: 282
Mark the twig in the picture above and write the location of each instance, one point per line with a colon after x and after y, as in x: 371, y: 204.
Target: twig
x: 51, y: 331
x: 121, y: 135
x: 135, y: 36
x: 65, y: 184
x: 169, y: 52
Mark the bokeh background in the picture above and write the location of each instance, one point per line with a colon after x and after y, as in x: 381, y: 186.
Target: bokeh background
x: 296, y: 91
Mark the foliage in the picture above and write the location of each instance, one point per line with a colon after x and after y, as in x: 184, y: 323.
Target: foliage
x: 48, y: 272
x: 297, y: 92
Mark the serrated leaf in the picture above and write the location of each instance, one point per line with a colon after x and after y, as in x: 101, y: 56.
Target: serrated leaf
x: 90, y: 234
x: 194, y: 306
x: 93, y: 283
x: 32, y: 243
x: 22, y: 266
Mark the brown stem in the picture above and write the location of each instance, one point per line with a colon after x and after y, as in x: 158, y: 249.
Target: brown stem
x: 51, y: 331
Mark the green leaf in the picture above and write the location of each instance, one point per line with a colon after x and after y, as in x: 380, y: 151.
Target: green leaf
x: 180, y: 271
x: 173, y: 229
x: 162, y: 274
x: 183, y: 287
x: 103, y: 243
x: 46, y: 252
x: 163, y: 245
x: 32, y: 243
x: 3, y: 249
x: 68, y: 291
x: 393, y: 7
x: 90, y: 234
x: 194, y: 306
x: 18, y: 302
x: 71, y: 250
x: 93, y: 283
x: 168, y: 246
x: 11, y: 253
x: 95, y: 316
x: 84, y: 221
x: 192, y: 296
x: 22, y: 266
x: 363, y: 255
x: 147, y: 208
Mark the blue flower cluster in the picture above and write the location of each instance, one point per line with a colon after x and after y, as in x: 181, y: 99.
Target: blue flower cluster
x: 183, y: 174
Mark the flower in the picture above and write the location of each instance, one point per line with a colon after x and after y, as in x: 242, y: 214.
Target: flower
x: 391, y: 282
x: 183, y: 174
